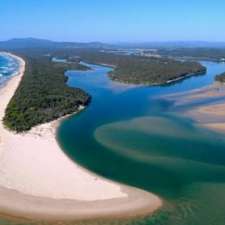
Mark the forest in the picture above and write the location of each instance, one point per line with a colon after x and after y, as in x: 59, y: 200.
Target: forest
x: 43, y: 95
x: 154, y: 71
x: 137, y: 69
x: 212, y: 54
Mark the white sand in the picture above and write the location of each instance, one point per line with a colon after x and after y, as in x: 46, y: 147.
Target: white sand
x: 206, y: 114
x: 35, y: 172
x: 216, y: 111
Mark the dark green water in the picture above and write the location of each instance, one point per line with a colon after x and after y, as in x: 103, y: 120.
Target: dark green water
x: 130, y: 134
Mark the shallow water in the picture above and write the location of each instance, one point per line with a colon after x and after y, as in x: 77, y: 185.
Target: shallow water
x: 137, y: 136
x: 132, y: 135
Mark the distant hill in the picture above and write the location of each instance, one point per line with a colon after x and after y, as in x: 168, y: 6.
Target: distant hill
x: 19, y: 43
x: 26, y: 43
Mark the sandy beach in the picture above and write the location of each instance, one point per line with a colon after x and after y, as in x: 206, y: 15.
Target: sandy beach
x: 214, y: 90
x: 38, y: 181
x: 210, y: 115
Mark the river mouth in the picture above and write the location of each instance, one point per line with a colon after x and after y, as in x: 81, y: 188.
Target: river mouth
x: 133, y: 135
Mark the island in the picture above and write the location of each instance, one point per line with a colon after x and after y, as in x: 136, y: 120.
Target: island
x: 134, y: 69
x: 155, y: 71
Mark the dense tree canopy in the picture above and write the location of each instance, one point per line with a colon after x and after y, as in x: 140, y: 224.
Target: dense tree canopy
x: 154, y: 71
x: 215, y: 54
x: 42, y: 95
x: 137, y: 69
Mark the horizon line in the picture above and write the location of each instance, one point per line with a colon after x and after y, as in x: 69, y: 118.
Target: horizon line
x: 116, y: 42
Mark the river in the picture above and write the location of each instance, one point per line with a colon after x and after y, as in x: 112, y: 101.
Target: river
x: 132, y: 135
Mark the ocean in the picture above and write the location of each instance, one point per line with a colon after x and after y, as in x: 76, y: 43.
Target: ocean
x: 8, y: 67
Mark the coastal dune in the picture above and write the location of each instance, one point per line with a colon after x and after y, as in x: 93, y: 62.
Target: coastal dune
x: 38, y: 181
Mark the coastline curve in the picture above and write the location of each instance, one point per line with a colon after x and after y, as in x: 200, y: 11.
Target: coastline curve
x: 38, y: 181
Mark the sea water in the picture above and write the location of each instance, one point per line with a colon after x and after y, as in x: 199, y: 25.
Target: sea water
x: 8, y: 67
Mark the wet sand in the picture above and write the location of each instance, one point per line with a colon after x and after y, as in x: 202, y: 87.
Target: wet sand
x: 207, y: 105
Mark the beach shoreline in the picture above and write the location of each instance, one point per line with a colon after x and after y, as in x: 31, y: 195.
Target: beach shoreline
x: 210, y: 116
x: 213, y: 112
x: 38, y: 181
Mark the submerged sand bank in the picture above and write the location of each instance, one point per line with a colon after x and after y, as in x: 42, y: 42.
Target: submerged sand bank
x: 214, y: 113
x: 38, y: 181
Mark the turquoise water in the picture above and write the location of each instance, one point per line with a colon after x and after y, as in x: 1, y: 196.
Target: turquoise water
x: 132, y: 135
x: 137, y: 136
x: 8, y: 67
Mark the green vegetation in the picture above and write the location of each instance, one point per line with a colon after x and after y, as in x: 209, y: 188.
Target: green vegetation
x: 43, y: 95
x: 212, y: 54
x: 220, y: 78
x: 78, y: 67
x: 139, y: 70
x: 72, y: 65
x: 154, y: 71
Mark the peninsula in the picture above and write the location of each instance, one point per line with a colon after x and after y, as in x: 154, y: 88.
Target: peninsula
x: 38, y: 181
x: 134, y: 69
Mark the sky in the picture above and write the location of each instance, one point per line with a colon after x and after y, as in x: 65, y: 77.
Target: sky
x: 113, y: 20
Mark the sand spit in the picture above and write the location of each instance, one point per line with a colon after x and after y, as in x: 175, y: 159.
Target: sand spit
x: 209, y: 111
x: 38, y: 181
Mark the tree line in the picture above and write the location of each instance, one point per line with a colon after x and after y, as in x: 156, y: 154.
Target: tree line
x: 43, y: 95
